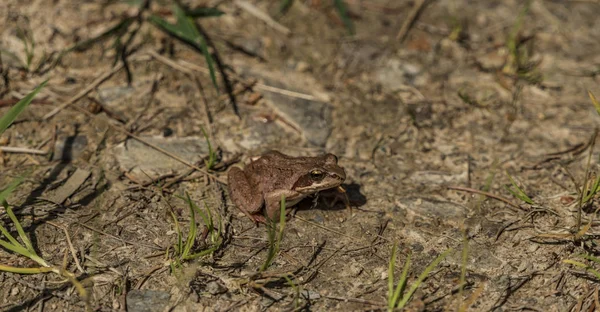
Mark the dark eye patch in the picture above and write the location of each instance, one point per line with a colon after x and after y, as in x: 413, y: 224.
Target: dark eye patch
x: 317, y: 175
x: 309, y: 179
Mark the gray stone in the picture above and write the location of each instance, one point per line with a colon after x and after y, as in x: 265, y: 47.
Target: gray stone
x: 143, y: 162
x: 112, y: 94
x: 438, y: 177
x: 312, y: 118
x: 310, y: 294
x: 298, y: 99
x: 215, y: 288
x: 147, y: 300
x: 429, y: 207
x: 395, y: 74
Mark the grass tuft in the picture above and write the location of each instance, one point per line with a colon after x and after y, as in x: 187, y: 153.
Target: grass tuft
x: 184, y: 251
x: 274, y: 236
x: 518, y: 192
x: 587, y: 268
x: 397, y: 298
x: 212, y: 155
x: 25, y: 247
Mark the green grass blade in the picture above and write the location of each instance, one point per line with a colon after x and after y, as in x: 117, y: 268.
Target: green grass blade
x: 3, y: 195
x: 594, y: 101
x: 272, y: 235
x: 210, y: 225
x: 217, y: 237
x: 12, y: 239
x: 202, y: 253
x: 401, y: 282
x: 8, y: 268
x: 22, y: 234
x: 212, y: 156
x: 518, y: 193
x: 391, y: 268
x: 121, y: 27
x: 584, y: 266
x: 7, y: 119
x: 343, y: 12
x: 185, y: 24
x: 281, y: 220
x: 512, y: 39
x: 285, y: 5
x: 209, y: 62
x: 589, y: 194
x: 422, y: 277
x: 204, y: 12
x: 193, y: 228
x: 186, y: 30
x: 9, y: 189
x: 179, y: 244
x: 17, y: 248
x: 590, y: 257
x: 203, y: 215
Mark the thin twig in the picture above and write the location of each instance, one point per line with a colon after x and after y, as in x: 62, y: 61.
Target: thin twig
x: 357, y: 300
x: 22, y: 150
x: 490, y: 195
x: 86, y: 90
x: 71, y: 248
x: 410, y: 20
x: 287, y: 92
x: 333, y: 231
x: 117, y: 237
x: 185, y: 67
x: 179, y: 159
x: 256, y: 12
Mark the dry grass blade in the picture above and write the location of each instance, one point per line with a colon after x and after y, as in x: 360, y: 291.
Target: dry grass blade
x: 487, y: 194
x: 414, y: 13
x: 250, y: 8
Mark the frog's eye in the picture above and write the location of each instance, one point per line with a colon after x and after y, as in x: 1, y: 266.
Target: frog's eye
x: 317, y: 174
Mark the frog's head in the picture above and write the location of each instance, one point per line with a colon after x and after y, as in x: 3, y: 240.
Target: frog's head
x: 320, y: 173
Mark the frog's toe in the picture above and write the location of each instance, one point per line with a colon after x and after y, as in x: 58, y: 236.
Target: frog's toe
x: 258, y: 219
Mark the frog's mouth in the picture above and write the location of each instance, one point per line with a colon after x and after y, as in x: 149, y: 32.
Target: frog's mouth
x: 309, y: 185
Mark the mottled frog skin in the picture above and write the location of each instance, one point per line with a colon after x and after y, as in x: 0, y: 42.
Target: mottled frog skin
x: 262, y: 182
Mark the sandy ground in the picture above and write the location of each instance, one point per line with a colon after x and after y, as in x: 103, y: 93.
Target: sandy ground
x: 431, y: 109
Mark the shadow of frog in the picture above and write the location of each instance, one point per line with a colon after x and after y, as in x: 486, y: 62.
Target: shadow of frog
x: 334, y: 199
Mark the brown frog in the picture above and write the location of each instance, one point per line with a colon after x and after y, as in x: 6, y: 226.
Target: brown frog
x: 266, y: 179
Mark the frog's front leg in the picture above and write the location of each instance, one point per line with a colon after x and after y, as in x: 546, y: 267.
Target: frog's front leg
x: 273, y: 202
x: 245, y: 195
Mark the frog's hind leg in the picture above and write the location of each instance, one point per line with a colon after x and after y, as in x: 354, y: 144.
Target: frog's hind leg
x: 246, y: 196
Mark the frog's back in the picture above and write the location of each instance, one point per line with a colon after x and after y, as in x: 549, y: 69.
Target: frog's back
x: 277, y: 171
